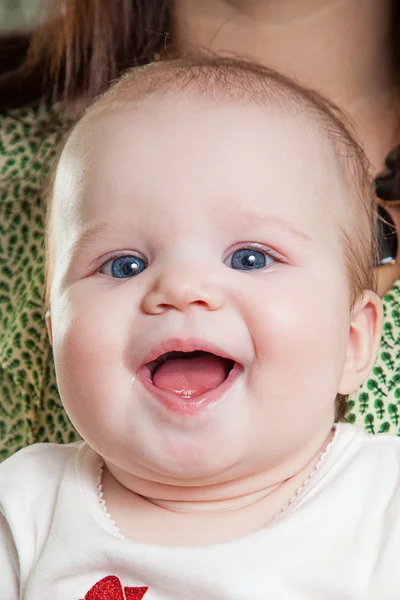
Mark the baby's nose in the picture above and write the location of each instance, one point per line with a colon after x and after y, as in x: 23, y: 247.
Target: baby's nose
x: 181, y: 288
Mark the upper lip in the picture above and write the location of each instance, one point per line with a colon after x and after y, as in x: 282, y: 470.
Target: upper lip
x: 186, y: 345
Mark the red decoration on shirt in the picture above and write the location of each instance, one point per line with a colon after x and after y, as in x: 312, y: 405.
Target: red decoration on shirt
x: 135, y: 593
x: 110, y: 588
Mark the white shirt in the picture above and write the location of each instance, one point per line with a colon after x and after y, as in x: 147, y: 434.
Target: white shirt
x: 340, y: 540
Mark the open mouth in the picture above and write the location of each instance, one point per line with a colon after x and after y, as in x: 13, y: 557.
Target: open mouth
x: 189, y: 374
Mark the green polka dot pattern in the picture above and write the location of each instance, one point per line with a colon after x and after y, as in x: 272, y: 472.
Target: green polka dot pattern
x: 30, y: 409
x: 376, y: 406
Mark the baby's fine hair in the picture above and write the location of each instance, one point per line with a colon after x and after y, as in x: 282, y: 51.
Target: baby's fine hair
x: 246, y: 82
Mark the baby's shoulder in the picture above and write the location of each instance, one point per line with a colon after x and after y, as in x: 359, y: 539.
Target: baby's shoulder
x: 364, y: 444
x: 31, y: 482
x: 34, y: 472
x: 369, y: 463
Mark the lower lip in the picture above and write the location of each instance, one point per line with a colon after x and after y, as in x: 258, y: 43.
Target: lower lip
x: 193, y: 406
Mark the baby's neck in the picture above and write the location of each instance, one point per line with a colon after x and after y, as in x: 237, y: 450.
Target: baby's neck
x: 215, y: 506
x: 157, y: 519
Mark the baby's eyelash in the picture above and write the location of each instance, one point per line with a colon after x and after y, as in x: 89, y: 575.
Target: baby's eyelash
x: 99, y: 264
x: 252, y: 256
x: 267, y: 250
x: 106, y: 266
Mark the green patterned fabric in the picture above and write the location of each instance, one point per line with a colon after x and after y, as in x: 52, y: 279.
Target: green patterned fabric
x: 30, y: 409
x: 376, y: 405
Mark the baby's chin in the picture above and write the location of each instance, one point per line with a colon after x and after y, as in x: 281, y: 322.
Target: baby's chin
x: 184, y: 464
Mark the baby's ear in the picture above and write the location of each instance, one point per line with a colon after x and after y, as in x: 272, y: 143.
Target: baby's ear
x: 47, y: 319
x: 364, y: 337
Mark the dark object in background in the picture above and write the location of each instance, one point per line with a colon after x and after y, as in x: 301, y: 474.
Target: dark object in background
x: 387, y: 187
x: 387, y: 237
x: 387, y: 183
x: 14, y: 48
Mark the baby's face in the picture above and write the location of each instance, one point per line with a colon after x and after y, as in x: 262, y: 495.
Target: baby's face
x: 183, y: 226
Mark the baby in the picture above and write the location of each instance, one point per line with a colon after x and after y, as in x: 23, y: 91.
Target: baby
x: 211, y: 241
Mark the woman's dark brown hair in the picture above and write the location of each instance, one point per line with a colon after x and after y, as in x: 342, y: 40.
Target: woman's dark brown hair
x: 79, y: 47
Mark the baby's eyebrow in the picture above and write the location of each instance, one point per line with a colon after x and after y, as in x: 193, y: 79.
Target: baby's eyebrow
x: 94, y: 234
x: 251, y: 218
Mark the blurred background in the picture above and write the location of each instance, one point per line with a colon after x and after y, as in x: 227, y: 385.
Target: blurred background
x: 17, y: 14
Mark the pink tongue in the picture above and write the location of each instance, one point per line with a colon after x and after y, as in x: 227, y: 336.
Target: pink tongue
x: 190, y: 376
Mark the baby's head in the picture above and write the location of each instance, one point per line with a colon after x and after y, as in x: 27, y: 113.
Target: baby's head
x: 210, y: 263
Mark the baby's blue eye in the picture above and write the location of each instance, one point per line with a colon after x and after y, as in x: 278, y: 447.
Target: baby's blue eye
x: 124, y: 267
x: 248, y: 259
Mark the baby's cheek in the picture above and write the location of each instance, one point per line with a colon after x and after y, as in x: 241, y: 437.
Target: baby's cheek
x: 300, y: 327
x: 87, y: 349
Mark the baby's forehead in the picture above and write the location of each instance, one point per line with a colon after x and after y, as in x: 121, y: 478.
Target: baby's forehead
x: 189, y: 114
x: 185, y: 128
